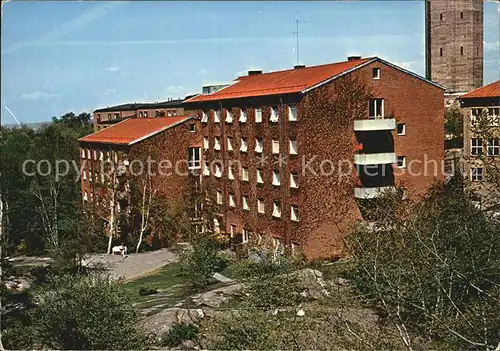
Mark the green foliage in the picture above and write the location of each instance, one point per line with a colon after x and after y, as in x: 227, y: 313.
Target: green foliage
x: 143, y: 291
x: 201, y: 261
x: 178, y: 333
x: 85, y: 313
x: 454, y: 126
x: 433, y: 266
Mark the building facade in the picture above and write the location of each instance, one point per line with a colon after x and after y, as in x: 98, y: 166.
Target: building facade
x: 105, y: 117
x: 481, y: 110
x: 454, y: 44
x: 287, y: 155
x: 114, y: 157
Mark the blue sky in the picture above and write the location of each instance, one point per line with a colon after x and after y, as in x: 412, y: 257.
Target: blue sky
x: 78, y: 56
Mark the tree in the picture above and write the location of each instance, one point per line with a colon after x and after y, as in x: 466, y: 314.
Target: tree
x: 454, y: 126
x: 86, y: 313
x: 432, y: 267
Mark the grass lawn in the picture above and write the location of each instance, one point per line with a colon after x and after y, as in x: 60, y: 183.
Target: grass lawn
x: 167, y: 280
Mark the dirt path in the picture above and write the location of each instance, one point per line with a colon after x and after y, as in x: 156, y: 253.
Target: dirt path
x: 135, y: 265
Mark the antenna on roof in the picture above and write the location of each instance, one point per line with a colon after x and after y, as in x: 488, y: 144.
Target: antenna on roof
x: 297, y: 21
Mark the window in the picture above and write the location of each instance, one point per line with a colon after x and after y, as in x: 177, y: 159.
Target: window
x: 217, y: 116
x: 401, y: 128
x: 83, y: 153
x: 461, y: 15
x: 216, y: 226
x: 293, y: 146
x: 232, y: 230
x: 205, y: 143
x: 475, y: 113
x: 192, y: 127
x: 294, y: 213
x: 276, y: 209
x: 217, y: 143
x: 194, y: 157
x: 169, y: 113
x: 116, y: 116
x: 493, y: 147
x: 493, y: 114
x: 260, y: 206
x: 401, y: 161
x: 90, y: 176
x: 84, y: 175
x: 260, y: 179
x: 243, y: 116
x: 294, y: 180
x: 204, y: 117
x: 376, y: 108
x: 376, y: 73
x: 85, y: 196
x: 476, y: 146
x: 232, y: 203
x: 245, y: 236
x: 218, y: 171
x: 292, y: 113
x: 276, y: 178
x: 276, y: 147
x: 274, y: 115
x: 440, y: 51
x: 88, y: 154
x: 206, y: 168
x: 95, y: 154
x: 101, y: 155
x: 244, y: 203
x: 244, y: 174
x: 243, y: 147
x: 462, y: 50
x: 98, y: 118
x: 229, y: 116
x: 230, y: 144
x: 259, y: 145
x: 441, y: 16
x: 230, y: 173
x: 219, y: 197
x: 140, y: 114
x: 258, y: 115
x: 476, y: 174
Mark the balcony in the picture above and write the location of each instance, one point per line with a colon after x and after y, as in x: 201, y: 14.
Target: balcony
x: 371, y: 193
x: 368, y: 125
x: 375, y: 159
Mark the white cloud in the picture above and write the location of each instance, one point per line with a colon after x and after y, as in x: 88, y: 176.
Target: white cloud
x: 38, y: 96
x: 112, y: 69
x: 62, y: 29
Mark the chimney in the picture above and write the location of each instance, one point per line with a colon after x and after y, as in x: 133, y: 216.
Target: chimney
x: 254, y: 72
x: 299, y: 66
x: 353, y: 58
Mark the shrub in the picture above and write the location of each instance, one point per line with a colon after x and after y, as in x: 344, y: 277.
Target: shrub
x: 179, y: 333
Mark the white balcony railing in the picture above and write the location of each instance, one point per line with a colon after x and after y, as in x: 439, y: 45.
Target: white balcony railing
x: 368, y: 125
x: 375, y: 159
x: 370, y: 193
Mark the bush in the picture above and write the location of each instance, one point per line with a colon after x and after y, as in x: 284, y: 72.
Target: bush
x: 200, y: 263
x: 85, y: 313
x: 179, y: 333
x: 143, y: 291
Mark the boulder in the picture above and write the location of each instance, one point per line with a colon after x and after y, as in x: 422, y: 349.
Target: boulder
x: 161, y: 322
x: 215, y: 298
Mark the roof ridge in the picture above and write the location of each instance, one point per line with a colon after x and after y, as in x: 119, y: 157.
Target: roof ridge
x: 480, y: 88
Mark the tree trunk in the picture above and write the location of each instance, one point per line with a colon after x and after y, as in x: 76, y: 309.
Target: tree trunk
x: 140, y: 241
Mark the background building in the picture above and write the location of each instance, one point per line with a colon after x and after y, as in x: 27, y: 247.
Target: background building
x: 481, y: 110
x: 270, y: 139
x: 107, y: 116
x: 454, y: 44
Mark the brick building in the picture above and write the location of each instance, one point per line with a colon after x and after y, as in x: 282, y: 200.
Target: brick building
x: 172, y: 140
x: 481, y: 110
x: 454, y: 44
x: 267, y: 137
x: 104, y: 117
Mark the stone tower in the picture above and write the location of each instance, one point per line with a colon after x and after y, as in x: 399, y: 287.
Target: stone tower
x: 454, y: 44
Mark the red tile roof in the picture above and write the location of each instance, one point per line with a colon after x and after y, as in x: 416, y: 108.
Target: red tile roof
x: 133, y: 130
x: 490, y: 90
x: 281, y: 82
